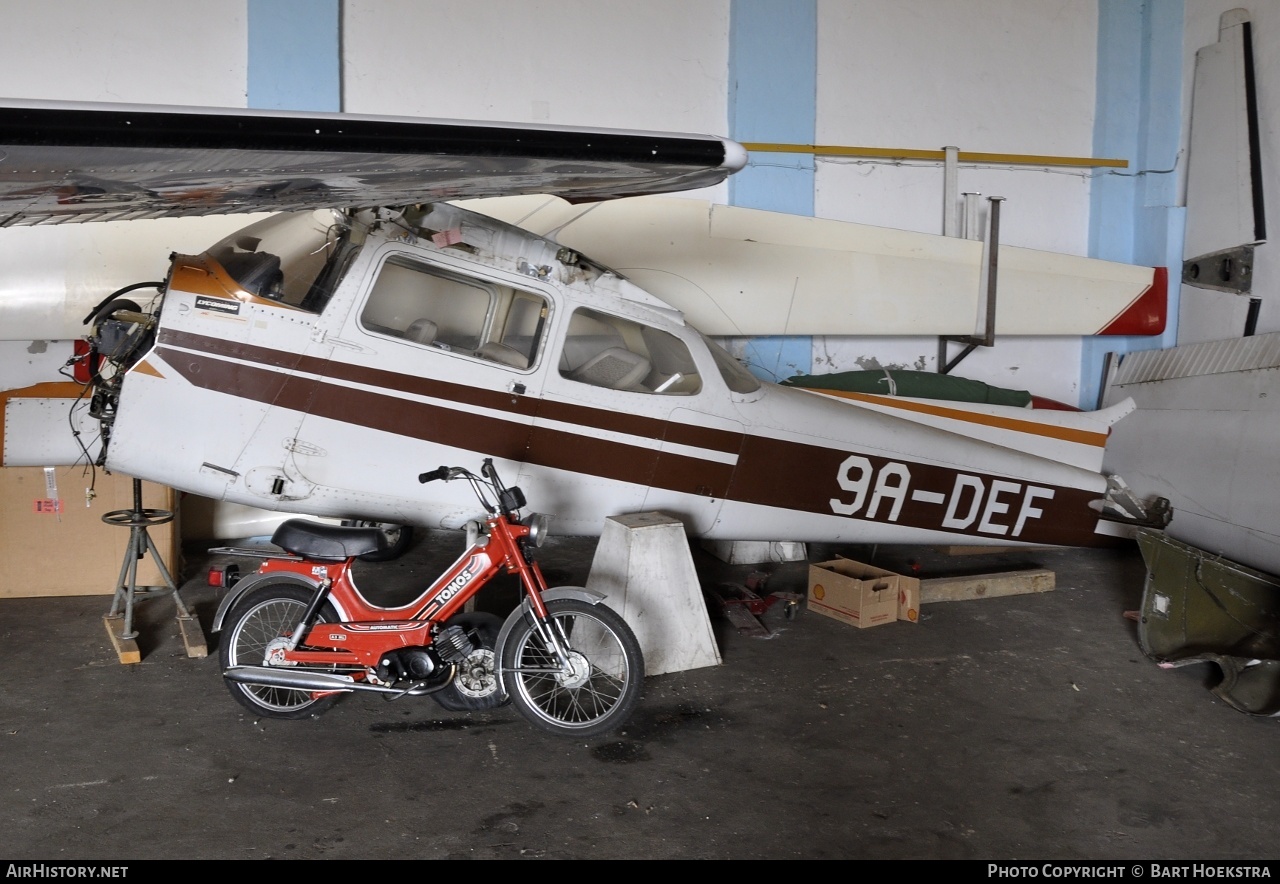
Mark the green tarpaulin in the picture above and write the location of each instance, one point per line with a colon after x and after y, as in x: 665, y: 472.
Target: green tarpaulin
x: 918, y: 384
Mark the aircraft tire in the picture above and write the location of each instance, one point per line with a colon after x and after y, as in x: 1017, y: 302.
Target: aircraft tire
x: 399, y: 538
x: 476, y: 687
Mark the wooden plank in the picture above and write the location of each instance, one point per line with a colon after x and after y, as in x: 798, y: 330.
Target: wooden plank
x: 988, y: 550
x: 192, y: 637
x: 980, y: 586
x: 126, y: 648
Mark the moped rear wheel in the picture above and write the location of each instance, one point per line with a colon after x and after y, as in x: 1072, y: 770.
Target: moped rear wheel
x: 255, y: 634
x: 601, y: 686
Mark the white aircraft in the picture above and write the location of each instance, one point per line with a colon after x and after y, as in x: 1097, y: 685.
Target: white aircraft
x: 321, y: 358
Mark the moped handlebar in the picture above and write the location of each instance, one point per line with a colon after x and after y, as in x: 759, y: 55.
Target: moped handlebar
x: 437, y: 473
x: 509, y: 500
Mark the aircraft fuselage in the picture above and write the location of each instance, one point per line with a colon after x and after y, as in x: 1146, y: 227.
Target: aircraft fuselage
x: 319, y: 367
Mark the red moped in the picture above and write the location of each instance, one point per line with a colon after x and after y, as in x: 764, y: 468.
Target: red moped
x: 297, y: 633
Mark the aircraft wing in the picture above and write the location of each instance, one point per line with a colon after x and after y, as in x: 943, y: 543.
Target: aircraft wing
x: 739, y: 271
x: 64, y: 162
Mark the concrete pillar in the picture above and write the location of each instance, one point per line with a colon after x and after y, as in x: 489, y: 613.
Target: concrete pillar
x: 644, y: 566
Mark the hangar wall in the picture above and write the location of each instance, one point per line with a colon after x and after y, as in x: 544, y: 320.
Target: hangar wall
x: 658, y: 65
x: 141, y: 51
x: 996, y: 75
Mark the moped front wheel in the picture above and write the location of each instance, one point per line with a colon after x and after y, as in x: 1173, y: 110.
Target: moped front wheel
x: 255, y: 635
x: 598, y: 689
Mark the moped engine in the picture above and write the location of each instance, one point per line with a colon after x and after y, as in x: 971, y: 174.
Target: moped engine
x: 412, y: 664
x: 453, y: 645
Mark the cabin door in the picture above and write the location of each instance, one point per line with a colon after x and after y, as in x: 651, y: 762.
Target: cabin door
x: 613, y: 413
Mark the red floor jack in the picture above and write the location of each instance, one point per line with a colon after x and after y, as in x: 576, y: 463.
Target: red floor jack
x: 744, y: 605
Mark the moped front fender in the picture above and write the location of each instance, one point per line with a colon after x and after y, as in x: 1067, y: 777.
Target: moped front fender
x: 253, y: 581
x: 581, y: 593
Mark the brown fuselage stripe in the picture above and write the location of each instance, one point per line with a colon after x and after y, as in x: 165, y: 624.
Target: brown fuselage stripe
x: 1082, y: 437
x: 769, y: 472
x: 496, y: 400
x: 510, y: 439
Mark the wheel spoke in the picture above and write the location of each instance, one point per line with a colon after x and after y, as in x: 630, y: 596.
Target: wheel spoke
x: 251, y: 640
x: 600, y: 683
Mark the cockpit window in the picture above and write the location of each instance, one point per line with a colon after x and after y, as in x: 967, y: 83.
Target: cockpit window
x: 297, y: 258
x: 621, y: 354
x: 461, y: 314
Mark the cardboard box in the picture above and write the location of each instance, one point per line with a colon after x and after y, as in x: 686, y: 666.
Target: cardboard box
x: 55, y: 545
x: 909, y: 599
x: 854, y: 593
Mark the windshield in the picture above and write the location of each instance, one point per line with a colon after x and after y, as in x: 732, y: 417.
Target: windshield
x: 297, y: 258
x: 735, y: 374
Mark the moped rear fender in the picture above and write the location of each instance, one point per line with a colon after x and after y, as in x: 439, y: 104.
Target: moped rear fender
x: 254, y: 580
x: 581, y: 593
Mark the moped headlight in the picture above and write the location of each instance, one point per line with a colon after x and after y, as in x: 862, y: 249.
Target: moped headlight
x: 538, y: 524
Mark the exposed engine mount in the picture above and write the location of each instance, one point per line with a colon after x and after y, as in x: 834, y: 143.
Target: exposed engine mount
x: 121, y: 332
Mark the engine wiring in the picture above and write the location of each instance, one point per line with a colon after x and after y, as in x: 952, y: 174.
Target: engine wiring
x: 95, y: 363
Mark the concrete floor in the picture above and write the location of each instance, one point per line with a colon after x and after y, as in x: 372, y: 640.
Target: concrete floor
x: 1025, y: 727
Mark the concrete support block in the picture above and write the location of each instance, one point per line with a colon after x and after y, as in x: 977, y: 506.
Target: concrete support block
x: 753, y: 552
x: 644, y: 566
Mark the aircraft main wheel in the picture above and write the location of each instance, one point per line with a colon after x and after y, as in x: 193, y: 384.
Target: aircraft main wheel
x: 598, y: 690
x: 255, y: 635
x: 398, y: 539
x: 476, y: 687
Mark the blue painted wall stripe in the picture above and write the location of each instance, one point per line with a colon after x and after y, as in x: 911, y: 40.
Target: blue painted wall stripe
x: 773, y: 70
x: 1132, y: 215
x: 295, y: 55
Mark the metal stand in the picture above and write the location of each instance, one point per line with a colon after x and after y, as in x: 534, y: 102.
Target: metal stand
x: 119, y: 620
x: 987, y: 296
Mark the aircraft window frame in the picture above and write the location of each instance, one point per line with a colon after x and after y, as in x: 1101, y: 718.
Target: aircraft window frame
x: 297, y: 259
x: 621, y: 353
x: 734, y: 374
x: 489, y: 339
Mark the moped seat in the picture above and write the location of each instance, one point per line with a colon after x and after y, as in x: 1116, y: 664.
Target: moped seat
x: 329, y: 543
